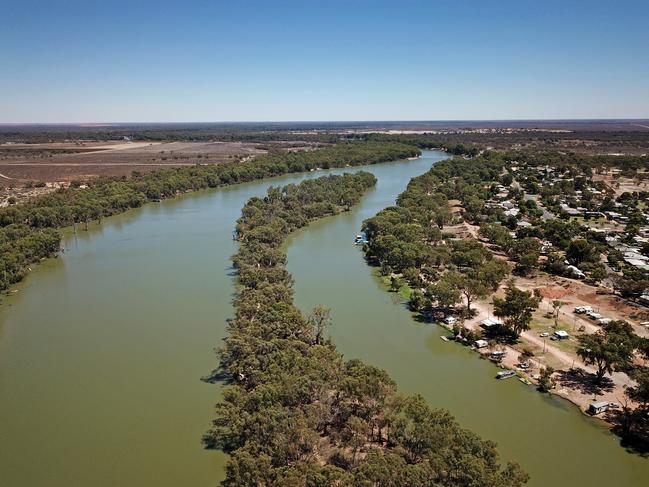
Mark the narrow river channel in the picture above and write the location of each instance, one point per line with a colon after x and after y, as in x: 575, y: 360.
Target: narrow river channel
x: 102, y: 349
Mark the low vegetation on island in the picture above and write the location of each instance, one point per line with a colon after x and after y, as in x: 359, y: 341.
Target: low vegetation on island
x: 295, y: 412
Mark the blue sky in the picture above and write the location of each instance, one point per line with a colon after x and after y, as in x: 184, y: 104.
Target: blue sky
x: 212, y: 60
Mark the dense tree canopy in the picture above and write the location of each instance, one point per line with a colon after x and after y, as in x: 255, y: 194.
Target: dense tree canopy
x: 609, y: 349
x: 295, y: 411
x: 408, y: 238
x: 516, y: 308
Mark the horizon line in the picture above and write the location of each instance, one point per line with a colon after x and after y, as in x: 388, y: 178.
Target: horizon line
x: 108, y: 123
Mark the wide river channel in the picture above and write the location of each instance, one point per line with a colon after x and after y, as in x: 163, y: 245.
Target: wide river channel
x: 102, y: 350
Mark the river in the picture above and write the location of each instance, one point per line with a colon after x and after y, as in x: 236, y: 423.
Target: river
x: 102, y: 349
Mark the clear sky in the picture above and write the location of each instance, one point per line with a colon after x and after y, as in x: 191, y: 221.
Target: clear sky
x: 237, y: 60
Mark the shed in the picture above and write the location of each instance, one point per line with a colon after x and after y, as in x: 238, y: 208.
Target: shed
x: 598, y: 407
x: 489, y: 322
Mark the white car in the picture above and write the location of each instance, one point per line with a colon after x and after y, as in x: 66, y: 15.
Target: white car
x: 544, y: 334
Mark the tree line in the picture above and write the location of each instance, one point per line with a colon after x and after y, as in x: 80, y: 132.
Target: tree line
x: 409, y: 240
x: 295, y: 412
x: 27, y: 230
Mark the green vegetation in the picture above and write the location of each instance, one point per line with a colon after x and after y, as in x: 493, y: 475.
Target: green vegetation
x: 408, y: 239
x: 408, y: 243
x: 25, y: 230
x: 546, y: 383
x: 516, y: 308
x: 609, y: 349
x: 295, y: 411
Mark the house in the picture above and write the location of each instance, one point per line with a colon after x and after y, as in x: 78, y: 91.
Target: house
x: 633, y: 257
x: 598, y: 407
x: 595, y: 229
x: 489, y: 322
x: 640, y: 264
x: 569, y: 210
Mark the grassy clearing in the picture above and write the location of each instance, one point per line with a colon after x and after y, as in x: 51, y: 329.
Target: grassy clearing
x: 404, y: 290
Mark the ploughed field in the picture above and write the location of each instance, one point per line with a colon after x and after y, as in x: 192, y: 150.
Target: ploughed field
x: 66, y: 161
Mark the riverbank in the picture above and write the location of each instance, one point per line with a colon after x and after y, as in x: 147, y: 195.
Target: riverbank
x: 102, y: 343
x: 513, y: 358
x: 28, y: 230
x: 429, y: 249
x: 122, y: 355
x: 376, y: 326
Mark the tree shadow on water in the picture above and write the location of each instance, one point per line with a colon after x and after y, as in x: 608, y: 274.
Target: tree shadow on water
x: 216, y: 376
x: 632, y: 426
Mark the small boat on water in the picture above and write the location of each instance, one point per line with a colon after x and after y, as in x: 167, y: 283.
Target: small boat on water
x: 360, y: 239
x: 505, y: 374
x: 445, y: 338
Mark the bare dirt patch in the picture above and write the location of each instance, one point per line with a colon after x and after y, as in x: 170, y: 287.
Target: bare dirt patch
x: 621, y: 184
x: 63, y: 162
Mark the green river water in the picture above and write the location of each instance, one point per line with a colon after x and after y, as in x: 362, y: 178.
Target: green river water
x: 102, y: 349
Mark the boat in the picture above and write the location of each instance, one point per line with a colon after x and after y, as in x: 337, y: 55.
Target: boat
x: 445, y: 338
x: 505, y: 374
x: 360, y: 240
x: 525, y: 381
x: 497, y: 356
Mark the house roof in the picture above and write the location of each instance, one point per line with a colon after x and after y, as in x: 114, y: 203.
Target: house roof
x: 598, y: 404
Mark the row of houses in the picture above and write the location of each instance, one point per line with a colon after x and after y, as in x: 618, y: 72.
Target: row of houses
x: 632, y: 255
